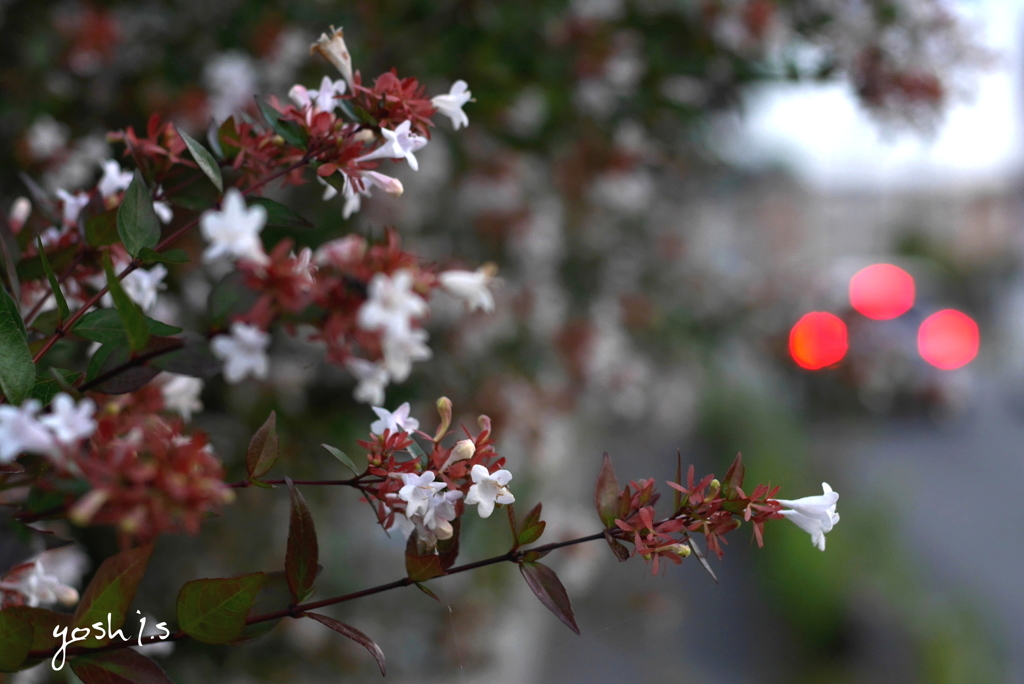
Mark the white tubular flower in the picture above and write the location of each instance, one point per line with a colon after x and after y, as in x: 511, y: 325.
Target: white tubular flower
x: 390, y: 185
x: 400, y: 143
x: 244, y: 352
x: 397, y: 421
x: 471, y: 286
x: 142, y: 286
x: 815, y: 515
x: 70, y: 422
x: 299, y: 94
x: 440, y: 513
x: 401, y: 524
x: 330, y: 192
x: 451, y: 104
x: 418, y: 492
x: 372, y: 378
x: 235, y: 230
x: 73, y: 205
x: 403, y: 348
x: 114, y: 180
x: 163, y: 212
x: 332, y: 48
x: 22, y: 431
x: 39, y: 588
x: 353, y: 198
x: 489, y: 489
x: 181, y: 394
x: 391, y: 303
x: 325, y: 99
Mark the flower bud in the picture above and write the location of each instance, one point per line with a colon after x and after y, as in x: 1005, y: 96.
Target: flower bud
x: 484, y: 422
x: 87, y: 507
x: 444, y: 408
x: 463, y: 450
x: 332, y: 48
x: 20, y: 210
x: 682, y: 550
x: 68, y: 596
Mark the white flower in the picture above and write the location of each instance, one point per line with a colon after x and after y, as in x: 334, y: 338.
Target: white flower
x: 114, y: 180
x: 418, y: 491
x: 70, y: 422
x: 401, y: 523
x: 440, y: 512
x: 372, y: 377
x: 391, y: 303
x: 489, y: 489
x: 330, y: 192
x: 353, y: 198
x: 325, y: 98
x: 181, y: 394
x: 390, y: 185
x: 401, y: 349
x: 163, y: 212
x: 20, y: 210
x: 22, y: 431
x: 400, y: 143
x: 73, y: 205
x: 38, y: 587
x: 341, y: 252
x: 815, y: 515
x: 471, y: 286
x: 397, y: 421
x: 235, y: 230
x: 141, y: 285
x: 244, y: 352
x: 462, y: 450
x: 332, y: 48
x: 451, y: 104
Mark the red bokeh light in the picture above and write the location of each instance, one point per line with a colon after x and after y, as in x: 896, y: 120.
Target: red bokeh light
x: 882, y: 291
x: 948, y: 339
x: 818, y: 340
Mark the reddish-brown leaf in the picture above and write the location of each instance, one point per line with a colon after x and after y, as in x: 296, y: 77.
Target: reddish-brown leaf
x: 263, y: 448
x: 617, y: 547
x: 421, y: 568
x: 734, y: 476
x: 448, y: 549
x: 123, y: 666
x: 355, y: 635
x: 303, y: 551
x: 548, y: 588
x: 112, y: 590
x: 606, y: 493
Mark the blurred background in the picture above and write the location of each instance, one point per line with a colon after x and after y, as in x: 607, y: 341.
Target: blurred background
x: 668, y: 187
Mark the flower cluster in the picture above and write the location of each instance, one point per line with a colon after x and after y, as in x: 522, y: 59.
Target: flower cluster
x: 56, y: 434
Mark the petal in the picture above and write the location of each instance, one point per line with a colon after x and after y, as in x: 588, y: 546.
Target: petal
x: 479, y: 472
x: 502, y: 477
x: 485, y: 508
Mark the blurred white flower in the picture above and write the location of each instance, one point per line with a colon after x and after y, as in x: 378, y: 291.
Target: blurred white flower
x: 46, y: 137
x: 489, y: 489
x: 451, y: 104
x: 417, y: 492
x: 73, y: 205
x: 396, y: 421
x: 37, y: 587
x: 19, y: 213
x: 332, y: 48
x: 231, y: 81
x: 815, y: 515
x: 330, y: 192
x: 400, y: 143
x: 22, y: 431
x: 390, y: 185
x: 391, y: 303
x: 181, y: 394
x: 401, y: 349
x: 70, y: 421
x: 244, y: 352
x: 471, y: 286
x: 341, y: 252
x: 353, y: 198
x: 142, y: 286
x: 235, y: 230
x: 372, y: 378
x: 114, y: 180
x: 163, y: 211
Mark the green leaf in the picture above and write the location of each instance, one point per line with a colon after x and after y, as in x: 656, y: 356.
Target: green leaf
x: 423, y: 587
x: 132, y: 318
x: 606, y: 493
x: 112, y: 590
x: 420, y: 568
x: 47, y: 386
x: 171, y: 256
x: 32, y: 268
x: 15, y: 640
x: 62, y: 304
x: 343, y: 457
x: 101, y: 229
x: 280, y: 216
x: 105, y: 326
x: 17, y: 370
x: 121, y: 371
x: 137, y: 223
x: 43, y: 622
x: 292, y: 133
x: 532, y: 528
x: 353, y: 634
x: 545, y: 584
x: 194, y: 358
x: 300, y: 564
x: 263, y: 449
x: 214, y: 610
x: 203, y: 157
x: 123, y: 666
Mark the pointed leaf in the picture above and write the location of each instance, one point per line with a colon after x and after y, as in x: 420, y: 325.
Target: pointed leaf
x: 303, y: 551
x: 532, y: 527
x: 171, y: 256
x: 703, y: 560
x: 62, y: 304
x: 272, y: 597
x: 137, y: 223
x: 204, y: 159
x: 105, y: 326
x: 606, y: 493
x: 289, y: 130
x: 123, y: 666
x: 280, y: 216
x: 214, y: 610
x: 263, y: 448
x: 131, y: 315
x: 101, y: 229
x: 343, y: 457
x: 15, y: 640
x: 617, y: 547
x: 43, y: 623
x: 353, y: 634
x: 17, y: 370
x: 734, y: 476
x: 112, y: 590
x: 421, y: 567
x: 545, y: 584
x: 47, y: 386
x: 423, y: 587
x: 677, y: 495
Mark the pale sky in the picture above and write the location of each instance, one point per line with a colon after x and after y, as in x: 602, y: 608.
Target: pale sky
x: 821, y: 133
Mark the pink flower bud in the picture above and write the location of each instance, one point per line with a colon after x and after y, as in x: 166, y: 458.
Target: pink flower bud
x: 332, y: 48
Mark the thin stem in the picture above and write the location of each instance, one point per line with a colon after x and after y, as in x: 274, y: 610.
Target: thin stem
x: 356, y: 482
